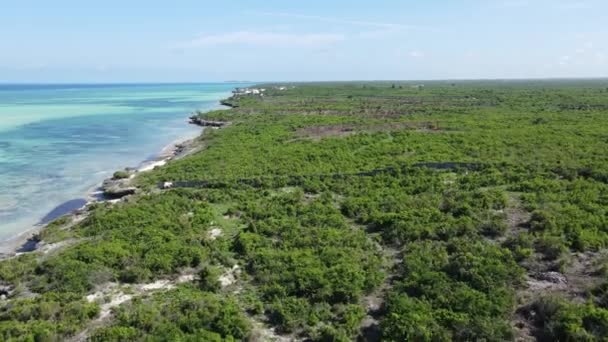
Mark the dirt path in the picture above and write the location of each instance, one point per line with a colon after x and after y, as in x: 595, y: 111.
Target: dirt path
x: 112, y: 295
x: 570, y: 278
x: 374, y: 302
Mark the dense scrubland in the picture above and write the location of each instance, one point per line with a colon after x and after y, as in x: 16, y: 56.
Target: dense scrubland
x: 336, y: 212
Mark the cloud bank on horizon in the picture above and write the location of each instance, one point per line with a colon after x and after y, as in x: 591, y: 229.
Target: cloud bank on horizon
x: 68, y: 41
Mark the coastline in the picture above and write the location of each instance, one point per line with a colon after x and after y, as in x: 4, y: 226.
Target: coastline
x: 28, y: 240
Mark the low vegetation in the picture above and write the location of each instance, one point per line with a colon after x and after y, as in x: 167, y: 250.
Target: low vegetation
x: 449, y: 212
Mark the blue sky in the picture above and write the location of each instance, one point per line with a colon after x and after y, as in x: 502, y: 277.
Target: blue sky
x: 187, y: 40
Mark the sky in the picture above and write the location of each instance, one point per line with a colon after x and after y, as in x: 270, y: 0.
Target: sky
x: 63, y: 41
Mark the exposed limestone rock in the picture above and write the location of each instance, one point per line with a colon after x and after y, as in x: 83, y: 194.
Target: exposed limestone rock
x: 195, y: 120
x: 230, y: 276
x: 5, y: 291
x: 553, y: 277
x: 115, y: 189
x: 214, y: 233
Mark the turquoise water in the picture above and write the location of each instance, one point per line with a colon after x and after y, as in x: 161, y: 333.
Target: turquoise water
x: 57, y: 142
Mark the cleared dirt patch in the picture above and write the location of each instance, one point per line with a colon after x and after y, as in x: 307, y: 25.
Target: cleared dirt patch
x: 261, y: 332
x: 339, y: 130
x: 570, y: 278
x: 112, y: 295
x: 374, y: 302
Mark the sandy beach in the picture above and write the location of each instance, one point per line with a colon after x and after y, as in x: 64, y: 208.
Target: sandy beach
x: 27, y: 240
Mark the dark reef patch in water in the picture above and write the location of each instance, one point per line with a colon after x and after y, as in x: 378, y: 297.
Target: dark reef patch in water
x: 29, y: 246
x: 63, y: 209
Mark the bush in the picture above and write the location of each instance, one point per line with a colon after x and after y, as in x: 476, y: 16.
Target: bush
x: 411, y: 320
x: 288, y: 314
x: 521, y: 245
x: 563, y: 321
x: 494, y: 227
x: 115, y: 334
x: 48, y: 317
x: 551, y: 247
x: 209, y: 279
x: 181, y: 314
x: 121, y: 175
x: 542, y: 221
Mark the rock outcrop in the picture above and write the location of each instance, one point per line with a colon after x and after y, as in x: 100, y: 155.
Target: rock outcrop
x: 229, y: 103
x: 6, y: 291
x: 553, y: 277
x: 195, y: 120
x: 117, y: 188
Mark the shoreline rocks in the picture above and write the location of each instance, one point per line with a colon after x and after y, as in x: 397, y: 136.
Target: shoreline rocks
x: 195, y: 120
x: 113, y: 189
x: 117, y: 188
x: 228, y: 103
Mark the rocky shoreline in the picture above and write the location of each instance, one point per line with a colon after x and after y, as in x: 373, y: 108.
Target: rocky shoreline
x: 196, y: 120
x: 111, y: 190
x: 121, y: 184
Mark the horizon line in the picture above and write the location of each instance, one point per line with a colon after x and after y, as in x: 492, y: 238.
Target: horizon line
x: 573, y: 78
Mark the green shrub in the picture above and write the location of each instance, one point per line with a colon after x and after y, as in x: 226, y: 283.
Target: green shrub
x: 563, y: 321
x: 120, y: 175
x: 542, y: 221
x: 552, y: 247
x: 209, y: 279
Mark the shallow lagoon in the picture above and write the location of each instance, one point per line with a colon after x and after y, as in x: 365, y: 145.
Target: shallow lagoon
x: 57, y: 142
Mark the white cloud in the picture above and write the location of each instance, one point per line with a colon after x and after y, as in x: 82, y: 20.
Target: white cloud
x: 515, y: 3
x: 265, y: 39
x: 564, y: 60
x: 29, y: 66
x: 585, y: 53
x: 416, y: 54
x: 470, y: 54
x: 335, y: 20
x: 573, y: 6
x: 552, y: 4
x: 378, y: 34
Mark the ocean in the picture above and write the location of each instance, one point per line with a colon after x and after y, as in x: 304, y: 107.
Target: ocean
x: 57, y: 142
